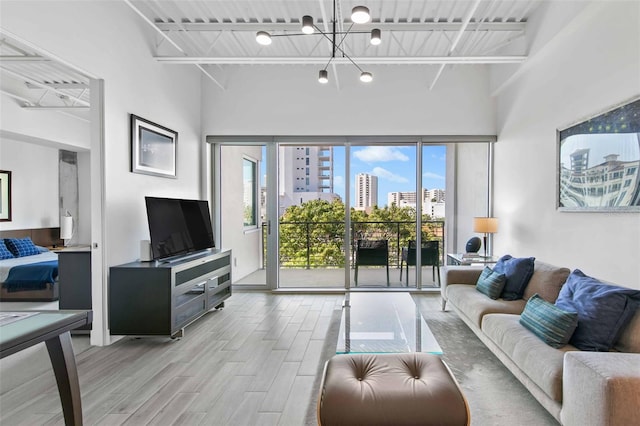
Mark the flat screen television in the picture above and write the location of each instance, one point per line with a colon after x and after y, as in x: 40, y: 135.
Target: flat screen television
x: 178, y: 226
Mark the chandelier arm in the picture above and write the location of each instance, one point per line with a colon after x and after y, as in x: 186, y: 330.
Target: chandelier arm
x: 328, y: 63
x: 320, y: 32
x: 344, y: 36
x: 351, y: 60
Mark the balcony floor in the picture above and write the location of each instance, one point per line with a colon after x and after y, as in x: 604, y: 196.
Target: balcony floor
x: 369, y: 277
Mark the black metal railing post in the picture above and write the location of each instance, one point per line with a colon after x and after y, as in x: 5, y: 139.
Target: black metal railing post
x: 308, y: 247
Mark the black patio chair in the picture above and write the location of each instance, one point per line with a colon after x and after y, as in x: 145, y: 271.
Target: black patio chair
x: 430, y: 254
x: 372, y: 253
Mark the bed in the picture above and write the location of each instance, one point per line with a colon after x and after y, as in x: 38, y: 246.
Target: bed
x: 31, y: 278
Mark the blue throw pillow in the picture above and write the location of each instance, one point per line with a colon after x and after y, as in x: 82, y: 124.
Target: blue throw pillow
x: 4, y: 251
x: 490, y: 283
x: 518, y: 272
x: 21, y: 247
x: 551, y: 324
x: 603, y: 310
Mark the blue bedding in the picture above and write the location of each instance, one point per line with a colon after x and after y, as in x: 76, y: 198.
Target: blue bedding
x: 33, y: 276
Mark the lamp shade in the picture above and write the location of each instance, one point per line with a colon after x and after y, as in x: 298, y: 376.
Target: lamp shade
x: 263, y: 38
x: 66, y: 227
x: 366, y: 77
x: 307, y: 24
x: 360, y: 15
x: 323, y: 76
x: 375, y: 37
x: 485, y: 225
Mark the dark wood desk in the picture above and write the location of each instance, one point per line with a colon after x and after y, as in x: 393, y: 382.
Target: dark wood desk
x: 51, y: 327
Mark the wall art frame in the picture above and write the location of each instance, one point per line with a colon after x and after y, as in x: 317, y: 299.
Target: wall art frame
x: 5, y: 196
x: 598, y: 162
x: 153, y: 148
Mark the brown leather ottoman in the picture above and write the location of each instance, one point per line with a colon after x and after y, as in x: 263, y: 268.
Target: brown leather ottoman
x: 390, y: 389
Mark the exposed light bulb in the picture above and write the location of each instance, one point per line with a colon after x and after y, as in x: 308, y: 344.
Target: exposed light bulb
x: 323, y: 76
x: 307, y: 24
x: 375, y: 37
x: 360, y: 15
x: 366, y: 77
x: 263, y: 38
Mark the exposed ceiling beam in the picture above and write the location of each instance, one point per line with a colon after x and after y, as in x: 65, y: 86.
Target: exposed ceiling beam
x: 57, y: 107
x: 20, y: 58
x: 42, y: 86
x: 465, y: 24
x: 384, y: 26
x: 173, y: 43
x: 74, y: 85
x: 316, y: 60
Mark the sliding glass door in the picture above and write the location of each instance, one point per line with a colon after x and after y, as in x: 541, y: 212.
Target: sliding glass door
x: 383, y: 214
x: 243, y: 216
x: 311, y: 216
x: 301, y: 212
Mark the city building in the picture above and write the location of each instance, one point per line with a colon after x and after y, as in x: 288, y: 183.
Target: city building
x: 433, y: 201
x: 305, y: 173
x: 366, y: 188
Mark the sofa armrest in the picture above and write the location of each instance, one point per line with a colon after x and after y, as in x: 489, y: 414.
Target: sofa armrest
x: 456, y: 274
x: 600, y: 388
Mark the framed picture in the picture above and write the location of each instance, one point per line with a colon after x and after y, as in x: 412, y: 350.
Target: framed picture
x: 5, y: 196
x: 153, y: 148
x: 599, y: 162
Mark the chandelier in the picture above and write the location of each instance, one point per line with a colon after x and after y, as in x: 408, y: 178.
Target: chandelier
x: 359, y: 15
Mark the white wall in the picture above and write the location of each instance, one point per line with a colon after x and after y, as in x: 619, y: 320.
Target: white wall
x: 589, y: 63
x: 245, y: 243
x: 34, y: 184
x: 45, y: 126
x: 288, y: 100
x: 467, y: 174
x: 109, y: 40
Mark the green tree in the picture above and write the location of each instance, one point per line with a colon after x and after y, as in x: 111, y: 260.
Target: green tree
x: 312, y: 234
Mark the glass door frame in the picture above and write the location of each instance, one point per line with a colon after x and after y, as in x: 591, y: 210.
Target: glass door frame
x: 274, y: 142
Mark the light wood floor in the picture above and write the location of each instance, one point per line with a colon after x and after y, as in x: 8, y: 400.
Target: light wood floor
x: 252, y: 363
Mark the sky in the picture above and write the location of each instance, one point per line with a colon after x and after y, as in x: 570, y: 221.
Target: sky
x: 395, y: 167
x: 626, y: 145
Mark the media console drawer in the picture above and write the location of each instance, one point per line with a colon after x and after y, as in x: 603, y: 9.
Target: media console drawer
x: 154, y: 298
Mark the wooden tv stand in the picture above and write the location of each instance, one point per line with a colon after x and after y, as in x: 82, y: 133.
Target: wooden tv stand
x: 155, y: 298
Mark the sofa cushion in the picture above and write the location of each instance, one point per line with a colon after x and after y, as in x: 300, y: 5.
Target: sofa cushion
x: 629, y: 340
x: 550, y: 323
x: 474, y: 305
x: 518, y: 271
x: 603, y: 310
x: 546, y: 281
x: 490, y: 283
x: 539, y: 361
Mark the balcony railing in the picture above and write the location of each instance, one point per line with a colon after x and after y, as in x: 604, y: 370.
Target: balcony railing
x: 320, y: 244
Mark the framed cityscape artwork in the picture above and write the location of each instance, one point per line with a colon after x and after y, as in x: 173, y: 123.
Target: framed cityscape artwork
x: 153, y: 148
x: 599, y: 162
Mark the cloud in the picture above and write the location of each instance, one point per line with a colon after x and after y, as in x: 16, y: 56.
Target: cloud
x: 432, y: 175
x: 387, y: 175
x: 373, y: 154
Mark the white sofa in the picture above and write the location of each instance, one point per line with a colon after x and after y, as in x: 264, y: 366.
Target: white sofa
x: 576, y: 387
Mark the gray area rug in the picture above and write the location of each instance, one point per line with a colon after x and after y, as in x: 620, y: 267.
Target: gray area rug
x: 495, y: 396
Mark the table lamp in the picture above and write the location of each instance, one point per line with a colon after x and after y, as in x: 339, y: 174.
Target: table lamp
x: 66, y: 227
x: 485, y: 225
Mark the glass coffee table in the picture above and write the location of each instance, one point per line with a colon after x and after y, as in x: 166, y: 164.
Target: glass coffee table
x: 377, y: 322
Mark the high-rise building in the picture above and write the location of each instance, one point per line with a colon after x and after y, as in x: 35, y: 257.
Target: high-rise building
x: 433, y: 201
x: 366, y: 191
x: 305, y: 173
